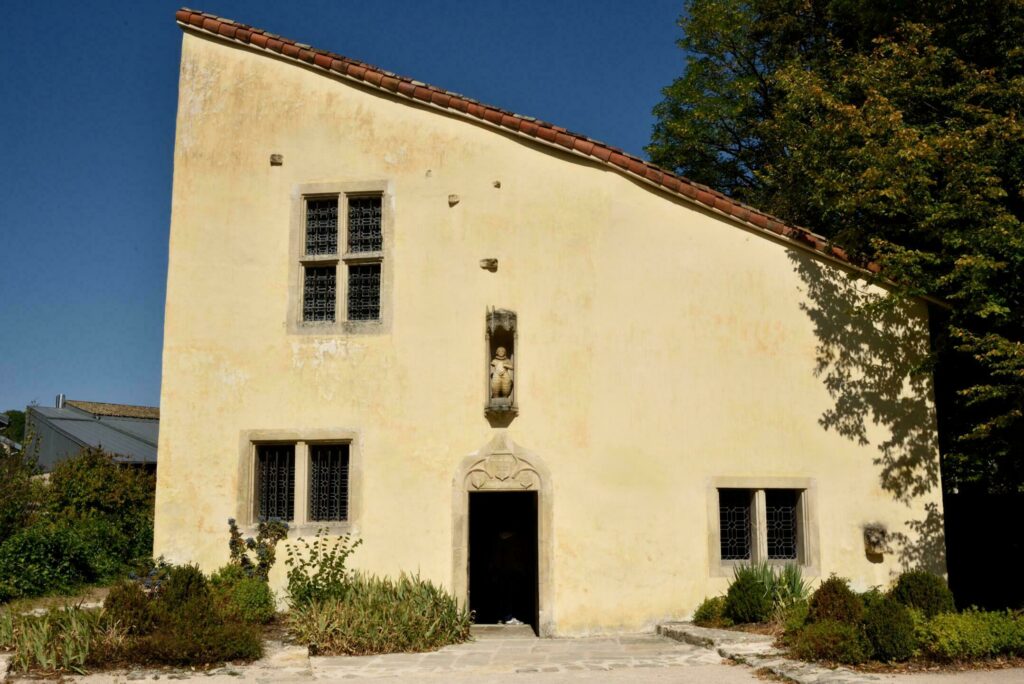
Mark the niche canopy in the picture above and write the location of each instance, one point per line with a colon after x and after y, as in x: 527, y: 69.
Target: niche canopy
x: 501, y: 369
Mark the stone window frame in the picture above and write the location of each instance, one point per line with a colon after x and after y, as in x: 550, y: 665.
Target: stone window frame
x: 298, y: 259
x: 248, y: 505
x: 808, y: 550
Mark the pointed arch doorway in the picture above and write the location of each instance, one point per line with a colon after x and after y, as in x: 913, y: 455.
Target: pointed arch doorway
x: 502, y: 535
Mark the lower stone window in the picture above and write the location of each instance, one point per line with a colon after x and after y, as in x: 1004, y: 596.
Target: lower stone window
x: 760, y: 524
x: 316, y: 475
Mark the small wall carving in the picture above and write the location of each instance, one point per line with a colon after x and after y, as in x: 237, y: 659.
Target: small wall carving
x: 501, y: 349
x: 876, y: 539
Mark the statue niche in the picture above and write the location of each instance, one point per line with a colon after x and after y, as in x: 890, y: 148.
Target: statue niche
x: 501, y: 352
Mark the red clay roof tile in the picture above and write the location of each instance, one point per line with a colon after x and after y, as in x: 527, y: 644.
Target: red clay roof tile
x: 225, y: 29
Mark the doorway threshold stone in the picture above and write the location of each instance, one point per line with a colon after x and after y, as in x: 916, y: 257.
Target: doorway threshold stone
x: 502, y: 632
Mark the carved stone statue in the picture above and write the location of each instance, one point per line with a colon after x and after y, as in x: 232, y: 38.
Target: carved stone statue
x: 501, y: 374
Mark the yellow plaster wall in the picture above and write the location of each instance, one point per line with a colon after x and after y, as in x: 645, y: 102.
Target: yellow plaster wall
x: 659, y: 345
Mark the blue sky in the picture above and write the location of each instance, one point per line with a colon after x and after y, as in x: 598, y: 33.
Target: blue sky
x: 89, y: 92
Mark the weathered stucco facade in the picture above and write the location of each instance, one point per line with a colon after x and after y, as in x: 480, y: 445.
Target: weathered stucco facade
x: 663, y: 351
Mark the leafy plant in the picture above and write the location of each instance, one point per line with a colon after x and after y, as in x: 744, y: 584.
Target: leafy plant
x: 748, y: 598
x: 256, y: 556
x: 317, y: 571
x: 240, y: 597
x: 43, y: 558
x: 889, y: 628
x: 711, y: 613
x: 972, y: 635
x: 832, y: 641
x: 923, y: 590
x: 834, y: 600
x: 380, y: 615
x: 127, y: 605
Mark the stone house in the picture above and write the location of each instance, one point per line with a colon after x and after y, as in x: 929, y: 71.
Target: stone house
x: 570, y: 386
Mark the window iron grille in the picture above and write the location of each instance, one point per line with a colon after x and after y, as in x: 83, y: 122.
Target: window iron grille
x: 363, y: 292
x: 322, y: 226
x: 780, y: 513
x: 734, y: 523
x: 328, y: 482
x: 275, y: 481
x: 364, y: 232
x: 319, y: 293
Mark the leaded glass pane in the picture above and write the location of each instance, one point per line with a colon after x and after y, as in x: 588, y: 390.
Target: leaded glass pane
x: 364, y: 292
x: 734, y: 523
x: 322, y: 226
x: 364, y: 224
x: 319, y: 293
x: 780, y: 512
x: 328, y: 482
x: 275, y: 481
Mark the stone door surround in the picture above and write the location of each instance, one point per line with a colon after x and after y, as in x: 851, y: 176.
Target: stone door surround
x: 503, y: 466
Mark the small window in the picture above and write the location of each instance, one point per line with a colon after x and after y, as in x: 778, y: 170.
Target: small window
x: 275, y: 481
x: 760, y: 524
x: 319, y: 293
x: 364, y: 224
x: 322, y: 226
x: 364, y: 292
x: 780, y: 519
x: 734, y: 523
x: 328, y: 482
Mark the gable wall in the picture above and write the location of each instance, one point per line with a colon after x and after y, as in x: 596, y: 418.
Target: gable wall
x: 659, y: 346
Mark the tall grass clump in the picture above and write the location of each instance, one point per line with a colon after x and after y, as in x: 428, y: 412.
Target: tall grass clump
x: 761, y: 592
x: 381, y: 615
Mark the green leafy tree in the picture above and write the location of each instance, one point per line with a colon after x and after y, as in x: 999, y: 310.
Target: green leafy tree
x: 894, y: 130
x: 15, y: 429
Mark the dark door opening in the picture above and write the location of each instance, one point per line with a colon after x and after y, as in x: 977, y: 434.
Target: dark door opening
x: 503, y: 572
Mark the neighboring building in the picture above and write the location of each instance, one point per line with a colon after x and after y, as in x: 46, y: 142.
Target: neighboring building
x: 568, y: 385
x: 7, y: 444
x: 128, y: 432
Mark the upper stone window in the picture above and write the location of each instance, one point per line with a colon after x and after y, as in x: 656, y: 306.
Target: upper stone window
x: 362, y: 260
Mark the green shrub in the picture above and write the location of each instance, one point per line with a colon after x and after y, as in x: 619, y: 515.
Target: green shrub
x: 834, y: 600
x: 317, y: 571
x: 91, y: 483
x: 381, y: 615
x: 832, y: 641
x: 972, y: 635
x: 748, y: 599
x: 127, y: 605
x: 242, y: 598
x: 889, y: 628
x: 198, y: 638
x: 44, y: 558
x: 183, y: 585
x: 924, y: 591
x: 793, y: 619
x: 710, y: 613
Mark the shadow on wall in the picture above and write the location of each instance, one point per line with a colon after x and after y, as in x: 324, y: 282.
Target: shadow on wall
x: 872, y: 357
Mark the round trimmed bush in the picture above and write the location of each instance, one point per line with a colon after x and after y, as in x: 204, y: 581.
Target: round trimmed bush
x: 747, y: 600
x: 248, y: 600
x: 833, y: 642
x: 834, y: 600
x: 926, y: 592
x: 889, y: 627
x: 710, y: 613
x: 128, y: 606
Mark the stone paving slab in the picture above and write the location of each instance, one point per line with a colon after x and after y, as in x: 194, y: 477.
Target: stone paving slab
x: 758, y: 651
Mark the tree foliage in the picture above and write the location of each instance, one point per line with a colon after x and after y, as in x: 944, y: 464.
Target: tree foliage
x: 894, y: 130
